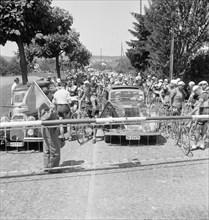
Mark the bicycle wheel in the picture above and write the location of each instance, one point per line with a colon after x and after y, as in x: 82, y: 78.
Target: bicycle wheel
x: 84, y: 133
x: 192, y: 131
x: 184, y: 141
x: 73, y: 127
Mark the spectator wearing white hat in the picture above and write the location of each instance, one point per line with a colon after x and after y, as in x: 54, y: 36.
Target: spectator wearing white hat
x: 165, y: 93
x: 202, y: 108
x: 192, y: 96
x: 191, y: 84
x: 173, y: 84
x: 177, y: 98
x: 204, y: 85
x: 148, y: 81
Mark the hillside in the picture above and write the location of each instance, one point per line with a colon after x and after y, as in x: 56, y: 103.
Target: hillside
x: 105, y: 59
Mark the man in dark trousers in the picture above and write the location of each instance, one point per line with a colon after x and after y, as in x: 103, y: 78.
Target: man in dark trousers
x: 52, y: 143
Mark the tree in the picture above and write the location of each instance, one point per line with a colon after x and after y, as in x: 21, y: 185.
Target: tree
x: 52, y: 46
x: 79, y: 57
x: 21, y: 20
x: 138, y: 54
x: 188, y: 20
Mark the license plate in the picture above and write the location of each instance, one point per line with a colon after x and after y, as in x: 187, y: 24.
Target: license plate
x: 16, y: 144
x: 133, y: 137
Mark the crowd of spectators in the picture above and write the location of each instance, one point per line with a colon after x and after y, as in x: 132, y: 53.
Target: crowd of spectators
x: 88, y: 87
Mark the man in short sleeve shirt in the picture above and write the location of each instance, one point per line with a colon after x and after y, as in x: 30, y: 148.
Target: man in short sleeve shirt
x: 201, y: 107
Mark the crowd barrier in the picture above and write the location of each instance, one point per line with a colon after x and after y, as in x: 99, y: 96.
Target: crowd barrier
x: 98, y: 121
x: 175, y: 137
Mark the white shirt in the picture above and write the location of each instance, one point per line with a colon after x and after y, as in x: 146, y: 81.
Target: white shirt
x: 14, y: 86
x: 61, y: 97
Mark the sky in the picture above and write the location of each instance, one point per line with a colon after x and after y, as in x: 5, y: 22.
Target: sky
x: 103, y: 24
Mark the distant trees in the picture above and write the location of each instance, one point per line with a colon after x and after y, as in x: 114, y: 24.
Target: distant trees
x: 11, y: 67
x: 21, y: 20
x: 188, y: 20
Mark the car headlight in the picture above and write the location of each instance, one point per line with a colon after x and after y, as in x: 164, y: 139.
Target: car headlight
x: 146, y: 128
x: 30, y: 132
x: 31, y: 118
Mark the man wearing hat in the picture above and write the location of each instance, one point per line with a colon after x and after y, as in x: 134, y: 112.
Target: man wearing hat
x: 202, y: 108
x: 51, y: 143
x: 204, y: 85
x: 62, y: 101
x: 177, y: 98
x: 192, y: 96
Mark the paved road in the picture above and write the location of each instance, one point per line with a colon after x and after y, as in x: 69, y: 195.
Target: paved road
x: 114, y: 182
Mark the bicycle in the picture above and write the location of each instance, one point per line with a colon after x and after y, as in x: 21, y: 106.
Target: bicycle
x: 84, y: 132
x: 184, y: 141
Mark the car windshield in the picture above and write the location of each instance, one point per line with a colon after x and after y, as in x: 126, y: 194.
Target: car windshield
x: 18, y: 97
x: 127, y: 95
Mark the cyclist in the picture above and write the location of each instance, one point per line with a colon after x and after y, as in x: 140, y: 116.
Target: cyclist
x: 91, y: 104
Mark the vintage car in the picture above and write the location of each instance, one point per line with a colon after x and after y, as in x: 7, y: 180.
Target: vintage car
x: 129, y: 101
x: 19, y: 137
x: 17, y: 99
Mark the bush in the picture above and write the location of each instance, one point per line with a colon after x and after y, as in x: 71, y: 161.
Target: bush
x: 9, y: 67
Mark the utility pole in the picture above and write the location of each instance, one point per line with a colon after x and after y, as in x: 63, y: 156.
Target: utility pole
x: 140, y: 7
x: 101, y: 55
x: 171, y: 54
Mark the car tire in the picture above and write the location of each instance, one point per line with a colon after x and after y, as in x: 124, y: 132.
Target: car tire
x: 3, y: 144
x: 107, y: 139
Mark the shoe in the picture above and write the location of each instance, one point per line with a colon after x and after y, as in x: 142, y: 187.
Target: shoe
x: 94, y: 141
x: 201, y: 146
x: 55, y: 171
x: 62, y: 138
x: 194, y: 147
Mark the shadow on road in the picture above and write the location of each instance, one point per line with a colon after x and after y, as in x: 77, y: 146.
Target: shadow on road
x: 72, y: 163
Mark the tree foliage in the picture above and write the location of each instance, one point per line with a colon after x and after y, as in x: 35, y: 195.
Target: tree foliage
x: 52, y: 46
x: 198, y: 67
x: 138, y: 54
x: 187, y: 19
x: 21, y: 20
x: 79, y: 57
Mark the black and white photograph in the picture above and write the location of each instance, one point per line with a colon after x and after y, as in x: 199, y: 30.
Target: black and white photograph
x: 104, y: 109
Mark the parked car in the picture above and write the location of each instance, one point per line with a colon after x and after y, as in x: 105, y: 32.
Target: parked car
x: 18, y: 137
x: 129, y: 101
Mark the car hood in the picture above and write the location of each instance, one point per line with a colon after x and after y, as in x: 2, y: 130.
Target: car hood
x: 131, y: 110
